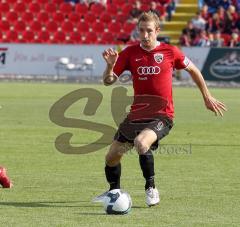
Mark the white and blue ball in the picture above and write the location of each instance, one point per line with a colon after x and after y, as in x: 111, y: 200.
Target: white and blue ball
x: 117, y: 201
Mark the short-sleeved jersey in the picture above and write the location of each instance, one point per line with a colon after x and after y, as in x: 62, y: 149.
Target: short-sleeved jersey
x: 152, y: 78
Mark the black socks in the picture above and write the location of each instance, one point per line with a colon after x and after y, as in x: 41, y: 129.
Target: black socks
x: 113, y: 175
x: 146, y: 161
x: 147, y: 165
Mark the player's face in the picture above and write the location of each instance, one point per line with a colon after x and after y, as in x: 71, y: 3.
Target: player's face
x: 148, y: 34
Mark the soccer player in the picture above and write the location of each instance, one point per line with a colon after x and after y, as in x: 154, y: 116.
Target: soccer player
x: 151, y: 64
x: 4, y: 179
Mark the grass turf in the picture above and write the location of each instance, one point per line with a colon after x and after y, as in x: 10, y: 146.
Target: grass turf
x: 197, y: 168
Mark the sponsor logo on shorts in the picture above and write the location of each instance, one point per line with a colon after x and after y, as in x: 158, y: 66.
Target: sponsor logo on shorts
x: 159, y: 126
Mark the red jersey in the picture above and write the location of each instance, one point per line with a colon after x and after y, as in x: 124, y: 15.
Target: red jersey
x: 152, y: 78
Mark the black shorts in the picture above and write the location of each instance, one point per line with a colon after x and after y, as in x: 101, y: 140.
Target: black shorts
x: 128, y: 130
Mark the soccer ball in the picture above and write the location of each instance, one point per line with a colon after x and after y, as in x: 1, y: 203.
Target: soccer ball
x: 117, y: 202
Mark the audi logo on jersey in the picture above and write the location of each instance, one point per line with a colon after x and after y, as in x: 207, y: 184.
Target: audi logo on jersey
x: 148, y: 70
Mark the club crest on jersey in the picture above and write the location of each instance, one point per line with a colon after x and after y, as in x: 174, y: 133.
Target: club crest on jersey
x: 158, y: 57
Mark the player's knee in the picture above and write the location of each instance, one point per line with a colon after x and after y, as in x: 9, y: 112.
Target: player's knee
x: 112, y: 159
x: 141, y: 146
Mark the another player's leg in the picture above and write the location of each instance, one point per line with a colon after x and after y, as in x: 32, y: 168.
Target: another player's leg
x: 143, y: 143
x: 113, y: 167
x: 4, y: 179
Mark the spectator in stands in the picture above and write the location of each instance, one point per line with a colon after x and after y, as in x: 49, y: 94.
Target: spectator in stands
x: 215, y: 39
x: 135, y: 12
x: 191, y: 32
x: 234, y: 41
x: 221, y: 13
x: 153, y: 8
x: 202, y: 39
x: 215, y: 24
x: 185, y: 39
x: 230, y: 19
x: 237, y: 24
x: 170, y: 9
x: 204, y: 12
x: 198, y: 22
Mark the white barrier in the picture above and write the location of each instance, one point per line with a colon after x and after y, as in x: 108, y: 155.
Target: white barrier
x: 38, y: 59
x: 197, y: 55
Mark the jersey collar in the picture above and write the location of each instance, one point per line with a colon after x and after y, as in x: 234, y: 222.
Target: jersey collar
x: 157, y: 44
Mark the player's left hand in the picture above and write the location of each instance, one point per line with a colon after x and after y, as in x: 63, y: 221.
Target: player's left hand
x: 215, y: 106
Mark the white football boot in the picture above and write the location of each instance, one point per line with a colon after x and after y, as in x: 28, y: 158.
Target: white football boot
x: 152, y: 196
x: 100, y: 198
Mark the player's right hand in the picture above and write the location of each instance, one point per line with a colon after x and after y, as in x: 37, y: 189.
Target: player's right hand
x: 110, y: 56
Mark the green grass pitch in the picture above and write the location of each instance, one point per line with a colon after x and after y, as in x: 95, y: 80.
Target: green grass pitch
x: 199, y: 187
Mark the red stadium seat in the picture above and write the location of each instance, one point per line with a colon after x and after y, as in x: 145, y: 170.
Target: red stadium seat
x: 105, y: 18
x: 12, y: 2
x: 27, y: 2
x: 91, y: 38
x: 145, y: 7
x: 112, y: 9
x: 50, y: 7
x: 98, y: 27
x: 66, y: 8
x: 118, y: 3
x: 74, y: 17
x: 42, y: 2
x: 36, y: 26
x: 43, y: 17
x: 52, y: 26
x: 161, y: 9
x: 19, y: 26
x: 67, y: 27
x: 58, y: 17
x: 12, y: 16
x: 126, y: 8
x: 57, y: 2
x: 114, y: 27
x: 59, y: 37
x: 81, y: 9
x: 28, y: 36
x: 123, y: 37
x: 11, y: 36
x: 1, y: 36
x: 90, y: 17
x: 34, y: 7
x: 75, y: 37
x: 226, y: 38
x: 27, y: 16
x: 4, y: 25
x: 121, y: 18
x: 97, y: 8
x: 4, y: 7
x: 83, y: 27
x: 20, y: 7
x: 107, y: 38
x: 43, y: 37
x: 128, y: 27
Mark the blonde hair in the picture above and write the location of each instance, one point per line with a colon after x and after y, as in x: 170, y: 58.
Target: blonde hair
x: 149, y: 17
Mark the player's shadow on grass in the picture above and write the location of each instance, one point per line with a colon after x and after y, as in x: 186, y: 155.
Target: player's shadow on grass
x: 50, y: 204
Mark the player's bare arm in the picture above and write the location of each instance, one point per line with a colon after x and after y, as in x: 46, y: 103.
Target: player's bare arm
x: 210, y: 102
x: 110, y: 56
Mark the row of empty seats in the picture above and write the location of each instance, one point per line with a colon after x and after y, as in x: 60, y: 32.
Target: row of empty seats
x: 61, y: 22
